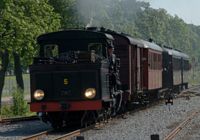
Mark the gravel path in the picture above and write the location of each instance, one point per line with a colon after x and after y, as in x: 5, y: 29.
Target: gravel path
x: 141, y: 125
x: 17, y: 131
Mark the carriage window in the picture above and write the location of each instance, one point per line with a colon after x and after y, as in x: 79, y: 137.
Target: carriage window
x: 51, y: 50
x: 97, y: 47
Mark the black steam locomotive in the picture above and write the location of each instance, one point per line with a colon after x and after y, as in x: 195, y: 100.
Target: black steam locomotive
x: 82, y: 75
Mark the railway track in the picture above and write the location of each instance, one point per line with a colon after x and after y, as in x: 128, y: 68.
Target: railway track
x: 193, y: 89
x: 57, y: 136
x: 48, y: 134
x: 18, y: 119
x: 196, y: 91
x: 38, y: 135
x: 175, y: 131
x: 190, y: 92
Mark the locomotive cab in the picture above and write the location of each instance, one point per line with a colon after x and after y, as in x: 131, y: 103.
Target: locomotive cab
x: 72, y: 73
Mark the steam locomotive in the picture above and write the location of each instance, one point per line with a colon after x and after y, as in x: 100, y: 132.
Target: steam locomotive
x: 81, y: 75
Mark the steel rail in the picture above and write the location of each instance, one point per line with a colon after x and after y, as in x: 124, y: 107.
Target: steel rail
x: 75, y: 133
x: 18, y: 119
x: 68, y: 136
x: 38, y: 135
x: 62, y: 137
x: 191, y: 89
x: 174, y: 132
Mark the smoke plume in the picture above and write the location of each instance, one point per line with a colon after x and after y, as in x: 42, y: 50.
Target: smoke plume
x: 112, y: 14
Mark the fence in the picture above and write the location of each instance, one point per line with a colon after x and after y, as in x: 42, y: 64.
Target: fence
x: 10, y: 84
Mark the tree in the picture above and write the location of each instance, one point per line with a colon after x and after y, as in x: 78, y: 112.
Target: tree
x: 3, y: 67
x: 22, y: 21
x: 4, y: 57
x: 67, y: 11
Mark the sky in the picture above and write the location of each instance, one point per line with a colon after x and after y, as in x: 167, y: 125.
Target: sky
x: 188, y: 10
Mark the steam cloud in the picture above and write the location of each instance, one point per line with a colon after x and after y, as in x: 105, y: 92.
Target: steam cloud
x: 91, y: 12
x: 107, y: 13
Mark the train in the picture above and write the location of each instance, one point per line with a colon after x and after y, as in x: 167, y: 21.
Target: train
x: 81, y: 75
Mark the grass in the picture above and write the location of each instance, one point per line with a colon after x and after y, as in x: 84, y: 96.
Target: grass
x: 6, y: 112
x: 19, y: 107
x: 10, y: 84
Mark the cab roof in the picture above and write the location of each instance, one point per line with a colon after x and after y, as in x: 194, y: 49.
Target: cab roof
x: 73, y: 34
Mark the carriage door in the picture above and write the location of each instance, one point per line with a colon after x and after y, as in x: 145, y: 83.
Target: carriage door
x: 139, y: 82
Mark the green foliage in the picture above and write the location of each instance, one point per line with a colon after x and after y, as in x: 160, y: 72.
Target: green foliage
x: 66, y: 9
x: 20, y: 106
x: 6, y: 111
x: 168, y: 30
x: 22, y: 21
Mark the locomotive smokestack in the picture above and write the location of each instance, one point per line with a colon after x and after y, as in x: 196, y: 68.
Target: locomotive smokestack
x: 150, y: 40
x: 90, y: 23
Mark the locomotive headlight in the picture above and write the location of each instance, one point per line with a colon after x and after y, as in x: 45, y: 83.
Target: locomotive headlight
x: 38, y: 94
x: 90, y: 93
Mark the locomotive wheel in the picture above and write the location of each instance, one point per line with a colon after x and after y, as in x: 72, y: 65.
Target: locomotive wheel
x: 89, y: 117
x: 56, y: 120
x: 57, y: 124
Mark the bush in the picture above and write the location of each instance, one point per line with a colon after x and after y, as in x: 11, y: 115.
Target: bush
x: 6, y: 111
x: 20, y: 106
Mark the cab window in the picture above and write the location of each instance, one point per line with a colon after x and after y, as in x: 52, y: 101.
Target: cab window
x: 97, y: 47
x: 50, y: 50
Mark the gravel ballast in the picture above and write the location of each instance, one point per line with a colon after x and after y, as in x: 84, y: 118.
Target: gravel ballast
x: 141, y: 125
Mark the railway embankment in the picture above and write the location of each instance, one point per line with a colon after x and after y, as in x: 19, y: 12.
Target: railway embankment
x: 156, y: 120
